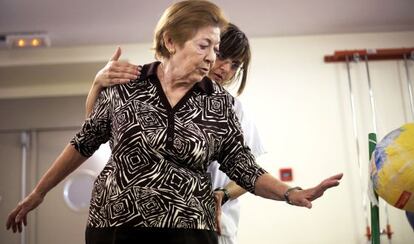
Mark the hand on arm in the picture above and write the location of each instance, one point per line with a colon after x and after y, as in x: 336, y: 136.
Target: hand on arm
x: 218, y: 197
x: 66, y: 163
x: 114, y: 72
x: 269, y: 187
x: 233, y: 191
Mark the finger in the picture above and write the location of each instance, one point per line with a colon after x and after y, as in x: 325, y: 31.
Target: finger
x: 218, y: 221
x: 112, y: 82
x: 331, y: 181
x: 139, y: 69
x: 122, y: 64
x: 23, y: 213
x: 121, y: 72
x: 25, y: 220
x: 19, y: 226
x: 120, y: 75
x: 18, y: 218
x: 119, y: 81
x: 328, y: 184
x: 217, y: 201
x: 130, y: 68
x: 126, y: 65
x: 20, y: 214
x: 9, y: 222
x: 219, y: 228
x: 307, y: 204
x: 12, y: 217
x: 116, y: 55
x: 336, y: 177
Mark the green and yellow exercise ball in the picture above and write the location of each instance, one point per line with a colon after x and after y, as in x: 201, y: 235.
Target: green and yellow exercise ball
x: 392, y: 168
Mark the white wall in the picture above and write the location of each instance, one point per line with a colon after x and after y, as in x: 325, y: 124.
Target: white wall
x: 59, y: 71
x: 301, y: 107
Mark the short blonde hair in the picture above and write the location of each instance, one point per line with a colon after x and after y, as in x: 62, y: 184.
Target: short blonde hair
x: 182, y: 20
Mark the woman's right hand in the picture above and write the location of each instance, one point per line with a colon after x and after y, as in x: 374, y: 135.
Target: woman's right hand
x: 18, y: 216
x: 116, y: 72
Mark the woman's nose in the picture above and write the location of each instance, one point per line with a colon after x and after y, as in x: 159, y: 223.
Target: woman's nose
x: 211, y: 56
x: 226, y: 66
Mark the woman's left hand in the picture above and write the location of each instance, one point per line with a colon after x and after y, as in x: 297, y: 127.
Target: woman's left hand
x: 305, y: 197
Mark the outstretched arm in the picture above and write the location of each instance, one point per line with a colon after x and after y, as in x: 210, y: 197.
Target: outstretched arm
x: 268, y: 186
x: 66, y: 163
x: 114, y: 72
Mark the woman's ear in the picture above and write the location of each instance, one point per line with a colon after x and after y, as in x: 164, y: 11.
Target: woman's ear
x: 169, y: 44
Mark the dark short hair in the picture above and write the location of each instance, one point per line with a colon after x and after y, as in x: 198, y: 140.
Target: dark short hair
x: 182, y: 20
x: 235, y: 45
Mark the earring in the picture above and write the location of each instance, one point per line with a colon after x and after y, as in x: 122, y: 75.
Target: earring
x: 172, y: 52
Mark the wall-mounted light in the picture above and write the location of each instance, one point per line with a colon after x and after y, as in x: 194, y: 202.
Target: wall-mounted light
x: 26, y: 40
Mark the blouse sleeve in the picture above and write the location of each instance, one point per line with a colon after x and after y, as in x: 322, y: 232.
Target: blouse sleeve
x: 96, y: 129
x: 236, y: 158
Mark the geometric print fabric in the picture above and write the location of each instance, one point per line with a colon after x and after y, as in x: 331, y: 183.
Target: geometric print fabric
x: 156, y: 175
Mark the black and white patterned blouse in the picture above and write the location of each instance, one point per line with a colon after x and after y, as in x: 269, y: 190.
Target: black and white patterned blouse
x: 156, y: 176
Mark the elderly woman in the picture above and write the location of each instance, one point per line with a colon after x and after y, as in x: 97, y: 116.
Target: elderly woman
x: 164, y: 128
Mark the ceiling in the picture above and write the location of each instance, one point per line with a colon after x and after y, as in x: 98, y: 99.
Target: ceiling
x: 99, y: 22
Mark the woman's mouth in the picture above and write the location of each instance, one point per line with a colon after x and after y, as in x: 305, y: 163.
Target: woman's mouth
x: 217, y: 77
x: 204, y: 70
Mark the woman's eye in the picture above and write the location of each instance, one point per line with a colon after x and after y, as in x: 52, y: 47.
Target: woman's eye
x: 203, y: 47
x: 235, y: 65
x: 219, y: 55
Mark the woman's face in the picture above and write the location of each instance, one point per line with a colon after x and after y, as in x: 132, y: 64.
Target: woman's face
x: 196, y: 57
x: 224, y: 69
